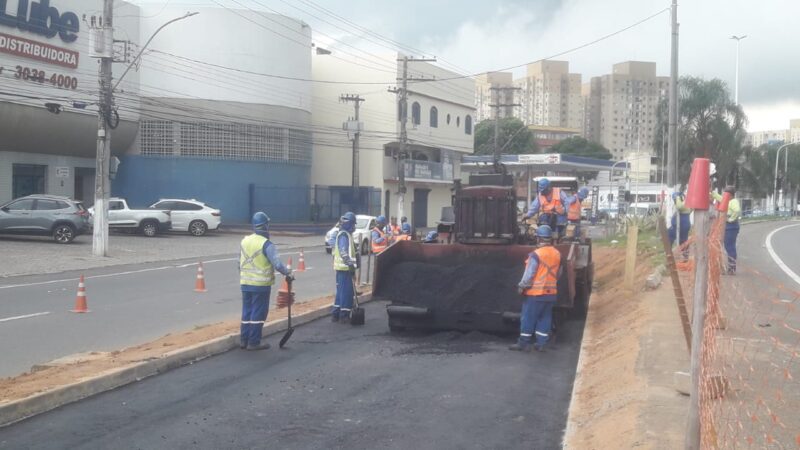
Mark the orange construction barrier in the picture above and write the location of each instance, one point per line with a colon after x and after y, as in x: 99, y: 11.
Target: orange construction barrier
x: 301, y: 263
x: 80, y: 299
x: 200, y: 281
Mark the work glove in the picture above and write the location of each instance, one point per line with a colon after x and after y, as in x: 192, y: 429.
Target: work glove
x: 521, y: 291
x: 353, y: 268
x: 290, y: 278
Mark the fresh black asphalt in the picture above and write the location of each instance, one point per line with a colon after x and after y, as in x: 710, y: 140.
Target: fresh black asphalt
x: 336, y: 386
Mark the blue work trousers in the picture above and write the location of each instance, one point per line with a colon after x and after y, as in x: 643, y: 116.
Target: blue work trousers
x: 731, y: 233
x: 344, y: 294
x: 254, y: 313
x: 686, y: 226
x: 536, y: 320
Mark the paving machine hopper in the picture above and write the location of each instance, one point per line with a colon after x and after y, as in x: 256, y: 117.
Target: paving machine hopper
x: 471, y: 284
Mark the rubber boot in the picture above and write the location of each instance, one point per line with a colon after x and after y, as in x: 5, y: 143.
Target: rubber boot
x: 345, y: 319
x: 261, y: 346
x: 520, y: 347
x: 334, y: 318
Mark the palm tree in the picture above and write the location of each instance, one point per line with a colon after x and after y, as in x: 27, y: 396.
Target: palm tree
x: 710, y: 125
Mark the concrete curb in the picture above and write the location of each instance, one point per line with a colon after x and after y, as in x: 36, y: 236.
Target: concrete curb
x: 45, y: 401
x: 572, y: 425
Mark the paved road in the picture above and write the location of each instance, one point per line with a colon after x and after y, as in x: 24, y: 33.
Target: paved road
x: 129, y: 305
x: 337, y: 386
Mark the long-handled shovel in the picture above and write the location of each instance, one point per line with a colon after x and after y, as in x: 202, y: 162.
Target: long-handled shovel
x: 290, y: 329
x: 357, y: 313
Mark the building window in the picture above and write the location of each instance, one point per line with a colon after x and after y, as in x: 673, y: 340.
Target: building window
x: 448, y: 119
x: 434, y: 117
x: 416, y: 114
x: 468, y: 125
x: 458, y: 121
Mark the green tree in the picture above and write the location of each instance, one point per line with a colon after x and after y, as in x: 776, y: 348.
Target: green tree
x: 757, y: 172
x: 579, y: 146
x: 710, y: 125
x: 511, y: 129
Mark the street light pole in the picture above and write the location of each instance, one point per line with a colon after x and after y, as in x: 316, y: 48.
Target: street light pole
x: 775, y: 201
x: 736, y: 80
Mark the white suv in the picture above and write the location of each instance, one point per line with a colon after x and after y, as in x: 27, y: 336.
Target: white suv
x: 190, y: 215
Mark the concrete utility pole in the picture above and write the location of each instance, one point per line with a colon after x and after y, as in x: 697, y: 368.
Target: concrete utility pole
x: 356, y: 99
x: 403, y: 154
x: 104, y: 116
x: 498, y: 103
x: 672, y: 136
x: 736, y: 79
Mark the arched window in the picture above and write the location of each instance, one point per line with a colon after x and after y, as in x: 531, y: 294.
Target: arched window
x: 416, y: 114
x: 458, y: 121
x: 448, y: 119
x: 468, y: 125
x: 434, y: 117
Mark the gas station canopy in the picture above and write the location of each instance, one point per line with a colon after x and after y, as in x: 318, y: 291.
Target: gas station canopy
x: 551, y: 162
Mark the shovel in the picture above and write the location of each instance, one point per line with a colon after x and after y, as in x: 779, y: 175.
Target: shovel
x: 357, y: 313
x: 290, y: 329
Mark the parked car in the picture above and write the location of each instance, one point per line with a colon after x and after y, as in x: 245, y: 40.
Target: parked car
x: 149, y: 222
x: 361, y: 235
x: 45, y: 215
x: 190, y: 215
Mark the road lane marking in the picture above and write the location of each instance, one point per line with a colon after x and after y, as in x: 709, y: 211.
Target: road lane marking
x: 777, y: 259
x: 26, y: 316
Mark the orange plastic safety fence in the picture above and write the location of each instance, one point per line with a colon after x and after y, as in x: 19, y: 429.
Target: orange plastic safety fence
x: 750, y: 361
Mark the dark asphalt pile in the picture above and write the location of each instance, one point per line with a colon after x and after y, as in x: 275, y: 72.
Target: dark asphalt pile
x: 477, y: 287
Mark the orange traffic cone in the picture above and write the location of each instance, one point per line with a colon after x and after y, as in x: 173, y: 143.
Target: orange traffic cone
x: 290, y: 263
x: 301, y: 264
x: 283, y: 295
x: 80, y: 299
x: 200, y: 281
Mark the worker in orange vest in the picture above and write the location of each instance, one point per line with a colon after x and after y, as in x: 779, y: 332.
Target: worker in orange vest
x: 549, y: 204
x: 539, y: 286
x: 574, y: 206
x: 378, y: 237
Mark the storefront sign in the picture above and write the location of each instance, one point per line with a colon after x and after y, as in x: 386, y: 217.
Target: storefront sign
x: 62, y: 172
x: 39, y: 51
x: 41, y: 19
x: 550, y: 158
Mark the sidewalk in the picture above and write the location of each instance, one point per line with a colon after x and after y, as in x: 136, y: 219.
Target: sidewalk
x: 34, y: 256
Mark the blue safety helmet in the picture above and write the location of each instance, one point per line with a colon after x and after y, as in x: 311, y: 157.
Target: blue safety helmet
x: 403, y: 219
x: 348, y: 221
x: 260, y: 222
x: 432, y: 236
x: 676, y: 194
x: 583, y: 193
x: 544, y: 184
x: 544, y: 232
x: 381, y: 220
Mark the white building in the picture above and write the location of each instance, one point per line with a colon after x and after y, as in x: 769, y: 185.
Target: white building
x: 494, y: 88
x: 550, y: 96
x: 440, y: 130
x: 790, y: 135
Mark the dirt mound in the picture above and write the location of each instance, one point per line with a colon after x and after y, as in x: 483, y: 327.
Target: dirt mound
x: 465, y: 287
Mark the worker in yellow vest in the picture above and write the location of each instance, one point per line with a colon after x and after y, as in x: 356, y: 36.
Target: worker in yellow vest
x: 731, y: 226
x: 539, y: 286
x: 345, y: 262
x: 258, y: 261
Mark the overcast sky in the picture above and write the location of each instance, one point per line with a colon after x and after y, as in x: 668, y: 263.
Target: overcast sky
x: 486, y: 35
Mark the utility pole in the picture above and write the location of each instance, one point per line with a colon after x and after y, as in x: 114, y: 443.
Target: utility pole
x: 354, y: 126
x: 403, y: 154
x: 104, y: 116
x: 672, y: 136
x: 500, y: 101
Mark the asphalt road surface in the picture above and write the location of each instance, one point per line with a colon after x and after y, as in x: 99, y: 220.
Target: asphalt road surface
x: 129, y: 305
x: 336, y: 386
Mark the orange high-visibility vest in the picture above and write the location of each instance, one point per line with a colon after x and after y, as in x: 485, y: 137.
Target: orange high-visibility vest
x: 574, y: 211
x: 551, y: 206
x: 378, y: 247
x: 545, y: 280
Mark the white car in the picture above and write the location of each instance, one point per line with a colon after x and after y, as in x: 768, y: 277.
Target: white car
x: 190, y: 215
x: 364, y: 226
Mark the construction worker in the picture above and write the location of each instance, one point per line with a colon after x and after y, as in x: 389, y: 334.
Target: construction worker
x: 549, y: 204
x: 345, y: 263
x: 731, y: 226
x: 574, y: 204
x: 258, y: 261
x: 684, y: 213
x: 431, y: 238
x: 378, y: 237
x: 395, y: 229
x: 405, y: 227
x: 539, y: 285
